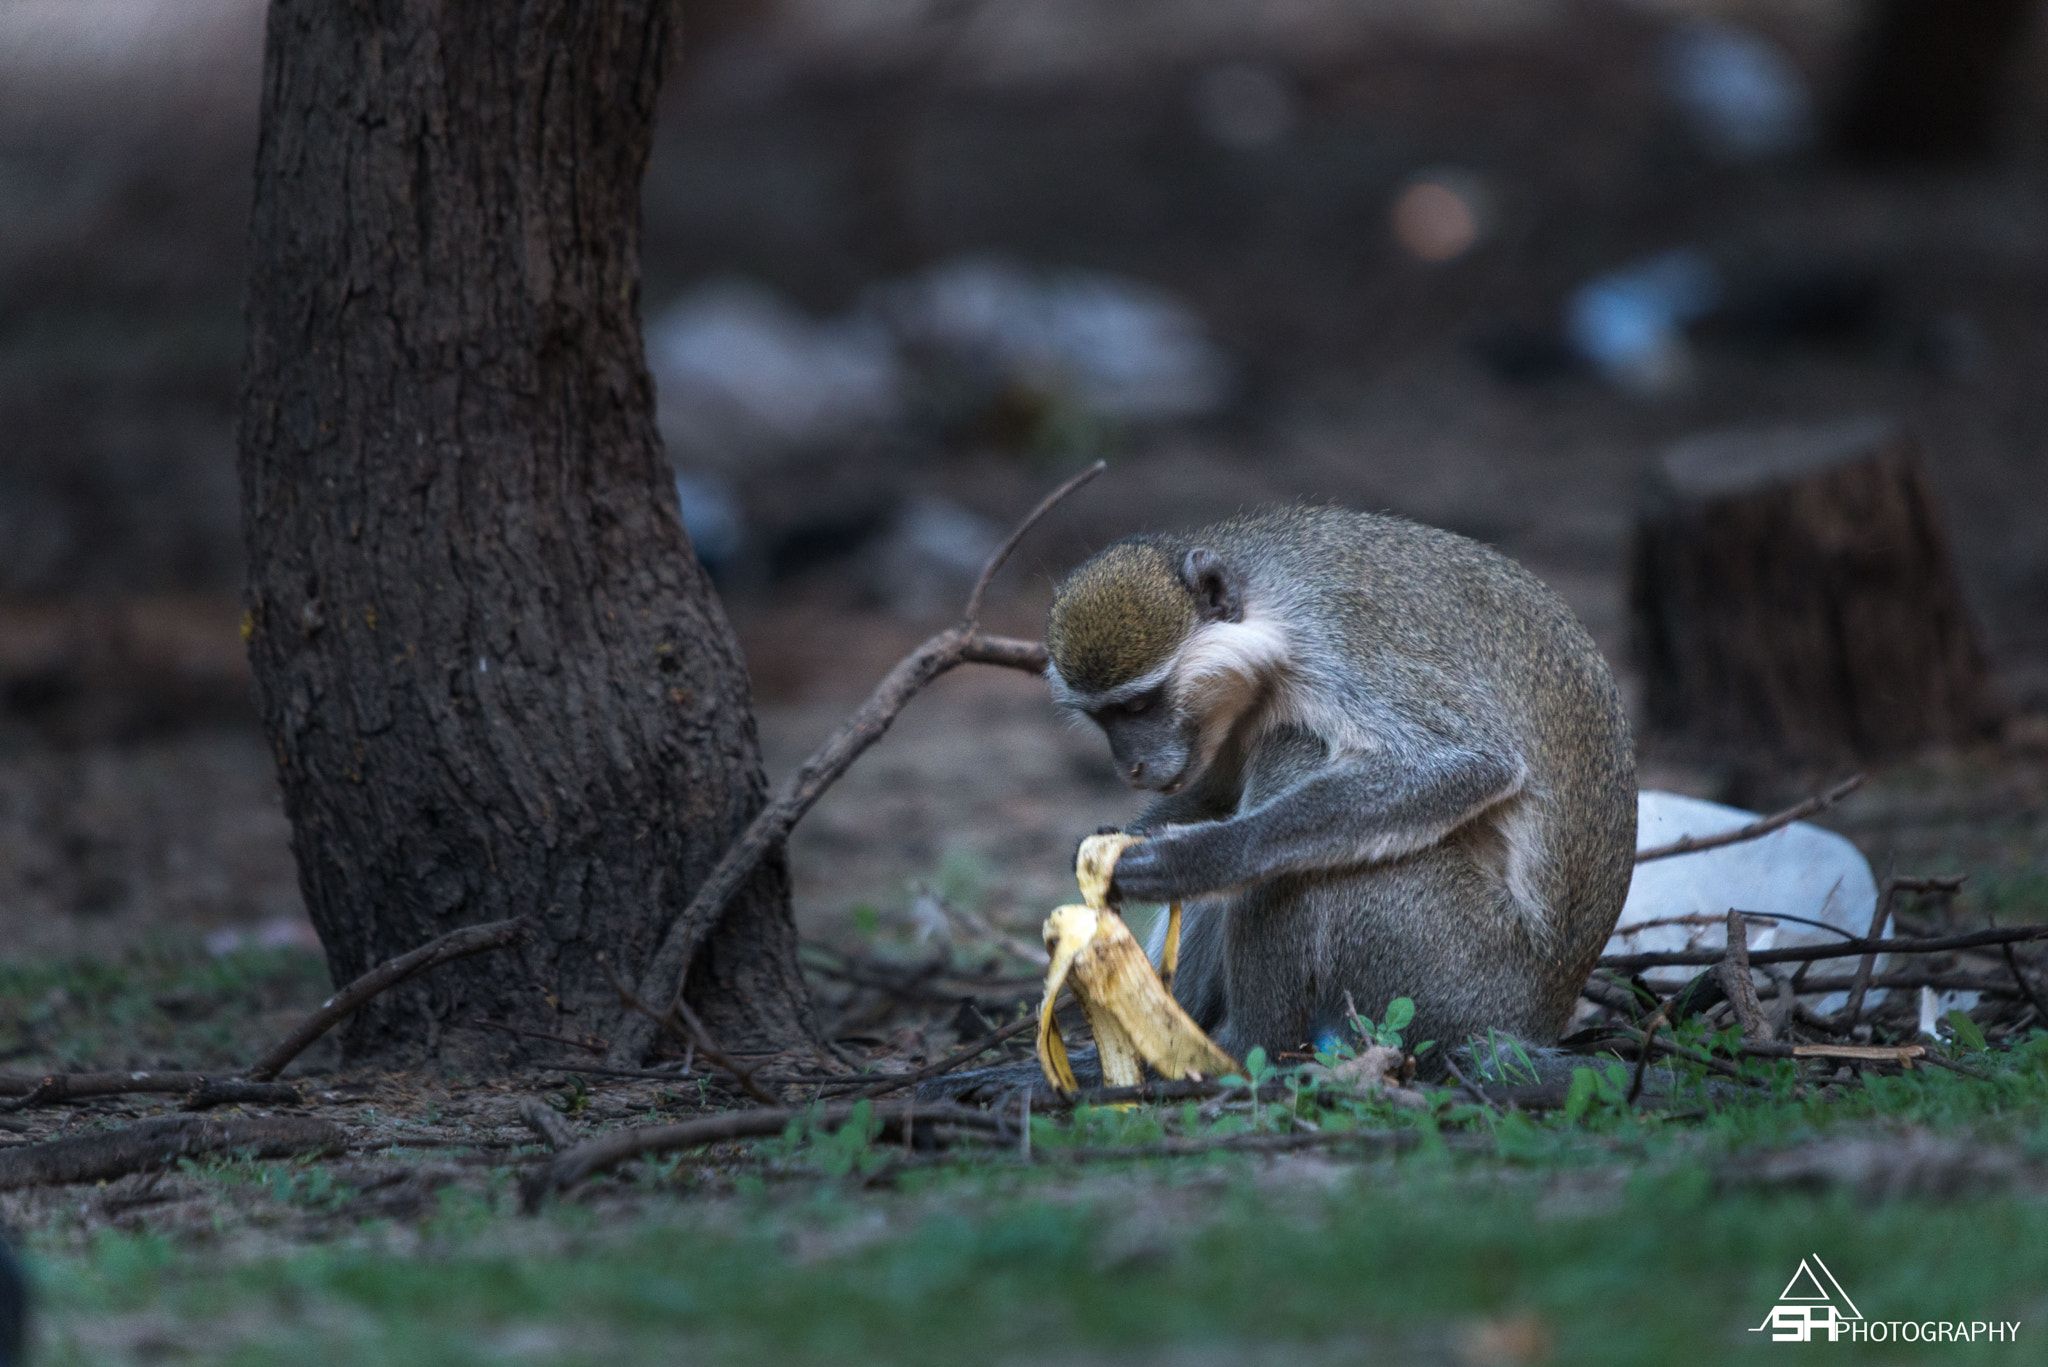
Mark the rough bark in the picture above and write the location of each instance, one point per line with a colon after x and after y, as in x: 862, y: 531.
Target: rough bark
x: 496, y: 681
x: 1795, y: 602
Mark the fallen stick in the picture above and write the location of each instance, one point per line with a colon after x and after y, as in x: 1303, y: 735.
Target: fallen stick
x: 456, y: 944
x: 965, y: 1054
x: 1393, y: 1140
x: 160, y: 1142
x: 962, y: 643
x: 593, y: 1156
x: 1880, y: 916
x: 204, y: 1090
x: 1693, y: 844
x: 34, y: 1089
x: 1846, y: 949
x: 545, y: 1121
x: 690, y: 1032
x: 1733, y: 972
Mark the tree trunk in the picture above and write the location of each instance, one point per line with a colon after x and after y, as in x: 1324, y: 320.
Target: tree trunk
x: 495, y: 679
x: 1794, y: 600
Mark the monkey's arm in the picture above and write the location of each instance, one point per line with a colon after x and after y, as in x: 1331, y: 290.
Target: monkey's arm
x: 1358, y: 809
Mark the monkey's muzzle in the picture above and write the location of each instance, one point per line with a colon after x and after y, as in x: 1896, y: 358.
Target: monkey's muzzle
x: 1134, y: 1018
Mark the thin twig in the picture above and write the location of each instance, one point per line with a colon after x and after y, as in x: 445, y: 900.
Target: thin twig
x: 456, y: 944
x: 1852, y: 1010
x: 2012, y: 965
x: 1740, y: 987
x: 1002, y: 553
x: 1650, y: 1027
x: 160, y: 1142
x: 962, y: 643
x: 965, y: 1054
x: 638, y: 1074
x: 596, y: 1155
x: 1465, y: 1082
x: 709, y: 1048
x: 1395, y: 1140
x: 593, y: 1045
x: 688, y: 1030
x: 1792, y: 954
x: 545, y: 1121
x: 1762, y: 827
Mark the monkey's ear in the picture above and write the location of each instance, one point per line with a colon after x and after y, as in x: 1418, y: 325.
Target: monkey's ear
x: 1219, y: 595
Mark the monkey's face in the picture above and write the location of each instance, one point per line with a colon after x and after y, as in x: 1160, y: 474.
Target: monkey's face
x: 1156, y: 744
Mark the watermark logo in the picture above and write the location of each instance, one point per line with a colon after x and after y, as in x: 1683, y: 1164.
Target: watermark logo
x: 1813, y: 1302
x: 1814, y: 1305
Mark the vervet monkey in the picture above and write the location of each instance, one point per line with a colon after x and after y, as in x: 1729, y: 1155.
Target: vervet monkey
x: 1390, y: 763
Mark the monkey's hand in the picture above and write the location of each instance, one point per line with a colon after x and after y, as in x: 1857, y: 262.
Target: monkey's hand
x: 1154, y: 870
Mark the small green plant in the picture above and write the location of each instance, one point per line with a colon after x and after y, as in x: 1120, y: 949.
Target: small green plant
x: 574, y: 1098
x: 834, y: 1152
x: 1596, y: 1089
x: 1967, y: 1035
x: 1387, y: 1034
x: 1501, y: 1058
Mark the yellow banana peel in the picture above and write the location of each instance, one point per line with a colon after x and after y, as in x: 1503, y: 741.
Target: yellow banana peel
x: 1134, y: 1017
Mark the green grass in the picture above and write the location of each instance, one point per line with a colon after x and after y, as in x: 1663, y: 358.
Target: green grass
x: 1661, y: 1271
x: 163, y: 1000
x: 1613, y: 1230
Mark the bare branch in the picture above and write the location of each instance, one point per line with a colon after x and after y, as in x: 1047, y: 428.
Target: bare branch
x: 204, y: 1091
x: 959, y: 644
x: 596, y: 1155
x: 1002, y: 552
x: 160, y: 1142
x: 965, y: 1054
x: 1693, y: 844
x: 456, y: 944
x: 1733, y: 971
x: 546, y: 1122
x: 1847, y: 949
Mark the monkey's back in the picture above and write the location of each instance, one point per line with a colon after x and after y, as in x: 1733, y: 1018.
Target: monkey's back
x: 1442, y: 633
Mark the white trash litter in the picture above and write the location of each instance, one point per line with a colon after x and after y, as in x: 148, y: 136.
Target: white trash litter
x: 1682, y: 903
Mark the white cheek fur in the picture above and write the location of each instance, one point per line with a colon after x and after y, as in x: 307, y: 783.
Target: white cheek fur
x: 1222, y: 671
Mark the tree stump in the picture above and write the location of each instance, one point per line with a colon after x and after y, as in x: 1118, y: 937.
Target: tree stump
x: 1794, y: 600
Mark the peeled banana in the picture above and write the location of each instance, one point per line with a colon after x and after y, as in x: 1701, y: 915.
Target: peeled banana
x: 1132, y: 1014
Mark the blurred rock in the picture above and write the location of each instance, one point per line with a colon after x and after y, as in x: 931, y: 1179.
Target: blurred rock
x: 1630, y: 323
x: 1119, y: 347
x: 1245, y: 105
x: 926, y: 560
x: 743, y: 375
x: 1741, y: 94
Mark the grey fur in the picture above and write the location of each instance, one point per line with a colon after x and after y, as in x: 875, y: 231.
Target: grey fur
x: 1428, y: 790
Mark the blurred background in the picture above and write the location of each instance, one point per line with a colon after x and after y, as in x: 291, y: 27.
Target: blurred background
x: 909, y: 262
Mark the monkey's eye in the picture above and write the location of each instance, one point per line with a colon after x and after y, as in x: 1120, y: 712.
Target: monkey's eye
x: 1137, y: 705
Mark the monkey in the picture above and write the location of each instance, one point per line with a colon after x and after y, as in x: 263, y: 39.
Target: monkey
x: 1387, y: 760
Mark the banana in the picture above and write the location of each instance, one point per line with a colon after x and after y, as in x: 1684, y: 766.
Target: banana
x: 1133, y: 1016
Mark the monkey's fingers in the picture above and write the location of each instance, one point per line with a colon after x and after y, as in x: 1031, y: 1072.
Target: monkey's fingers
x: 1095, y: 865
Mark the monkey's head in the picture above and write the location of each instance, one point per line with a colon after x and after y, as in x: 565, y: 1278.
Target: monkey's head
x: 1152, y: 644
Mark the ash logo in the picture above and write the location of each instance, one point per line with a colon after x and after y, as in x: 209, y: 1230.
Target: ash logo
x: 1812, y: 1303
